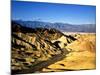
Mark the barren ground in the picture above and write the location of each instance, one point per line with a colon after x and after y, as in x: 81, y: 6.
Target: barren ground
x: 81, y: 57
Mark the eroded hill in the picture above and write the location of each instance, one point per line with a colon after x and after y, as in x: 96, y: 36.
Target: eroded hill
x: 34, y: 49
x: 81, y: 57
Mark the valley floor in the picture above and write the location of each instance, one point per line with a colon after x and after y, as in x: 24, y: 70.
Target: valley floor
x: 81, y: 57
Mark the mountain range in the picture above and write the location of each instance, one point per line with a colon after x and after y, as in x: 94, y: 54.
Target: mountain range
x: 64, y: 27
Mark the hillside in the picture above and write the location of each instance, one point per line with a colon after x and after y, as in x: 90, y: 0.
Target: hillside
x: 81, y: 57
x: 36, y: 48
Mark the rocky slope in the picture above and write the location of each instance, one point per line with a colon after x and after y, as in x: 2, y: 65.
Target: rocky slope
x: 81, y: 57
x: 36, y: 47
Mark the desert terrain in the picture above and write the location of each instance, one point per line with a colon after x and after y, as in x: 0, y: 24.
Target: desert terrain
x: 82, y: 54
x: 50, y: 50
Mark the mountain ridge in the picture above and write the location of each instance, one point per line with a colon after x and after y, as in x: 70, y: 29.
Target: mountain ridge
x: 64, y: 27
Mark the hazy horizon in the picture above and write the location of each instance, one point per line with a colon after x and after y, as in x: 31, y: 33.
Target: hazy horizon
x: 50, y: 22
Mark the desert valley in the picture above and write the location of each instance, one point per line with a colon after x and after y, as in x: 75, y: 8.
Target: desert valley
x: 81, y: 57
x: 49, y: 50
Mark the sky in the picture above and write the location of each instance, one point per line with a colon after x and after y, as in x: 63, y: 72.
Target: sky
x: 53, y: 12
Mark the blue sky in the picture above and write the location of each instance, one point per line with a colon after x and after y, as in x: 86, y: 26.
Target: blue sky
x: 52, y: 12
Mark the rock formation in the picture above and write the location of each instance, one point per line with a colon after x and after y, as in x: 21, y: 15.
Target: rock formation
x: 33, y: 46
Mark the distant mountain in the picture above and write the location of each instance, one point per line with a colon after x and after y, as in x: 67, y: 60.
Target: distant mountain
x: 65, y: 27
